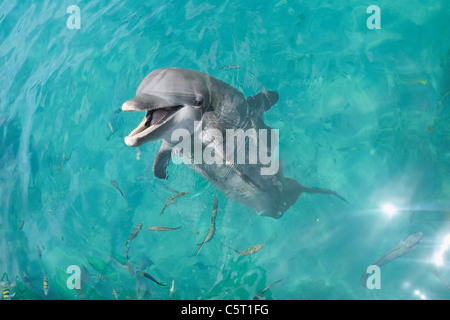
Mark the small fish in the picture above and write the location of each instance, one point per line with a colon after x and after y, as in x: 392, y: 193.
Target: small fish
x: 230, y: 67
x: 20, y: 225
x: 134, y: 233
x: 349, y: 149
x: 63, y: 162
x: 172, y: 289
x: 115, y: 294
x: 102, y: 277
x: 258, y: 296
x: 212, y: 227
x: 7, y: 294
x: 245, y: 189
x: 162, y: 228
x: 250, y: 250
x: 38, y: 250
x: 138, y: 153
x: 146, y: 275
x: 115, y: 123
x: 118, y: 189
x: 443, y: 97
x: 170, y: 200
x: 123, y: 266
x: 424, y: 82
x: 403, y: 247
x: 130, y: 266
x: 45, y: 285
x: 112, y: 131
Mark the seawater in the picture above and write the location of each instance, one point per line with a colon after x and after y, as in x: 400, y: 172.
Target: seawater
x: 362, y: 111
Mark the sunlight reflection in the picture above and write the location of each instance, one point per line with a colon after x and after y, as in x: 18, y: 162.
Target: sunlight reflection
x: 420, y: 294
x: 439, y: 256
x: 389, y: 209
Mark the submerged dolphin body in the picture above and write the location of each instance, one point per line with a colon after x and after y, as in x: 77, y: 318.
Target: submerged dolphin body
x: 175, y: 98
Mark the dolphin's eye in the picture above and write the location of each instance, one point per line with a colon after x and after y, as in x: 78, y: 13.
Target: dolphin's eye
x: 198, y: 103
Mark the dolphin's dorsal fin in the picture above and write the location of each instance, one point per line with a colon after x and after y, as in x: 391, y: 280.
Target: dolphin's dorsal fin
x: 162, y: 161
x: 264, y: 99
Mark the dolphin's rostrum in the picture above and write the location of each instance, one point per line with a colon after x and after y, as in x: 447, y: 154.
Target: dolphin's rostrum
x: 195, y: 102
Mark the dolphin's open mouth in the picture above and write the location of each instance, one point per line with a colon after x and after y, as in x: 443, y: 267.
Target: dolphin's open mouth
x: 153, y: 119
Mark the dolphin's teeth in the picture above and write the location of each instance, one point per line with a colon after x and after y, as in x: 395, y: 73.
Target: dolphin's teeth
x: 152, y: 120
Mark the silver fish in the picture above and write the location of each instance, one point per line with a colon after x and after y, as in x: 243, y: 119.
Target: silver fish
x: 162, y: 228
x: 258, y: 296
x: 403, y: 247
x: 117, y: 187
x: 250, y: 250
x: 146, y: 275
x: 212, y: 227
x: 230, y: 67
x: 7, y: 295
x: 45, y: 284
x: 172, y: 201
x: 63, y: 162
x: 134, y: 233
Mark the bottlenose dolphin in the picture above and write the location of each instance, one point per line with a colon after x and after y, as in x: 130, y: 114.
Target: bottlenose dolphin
x: 403, y: 247
x: 175, y: 98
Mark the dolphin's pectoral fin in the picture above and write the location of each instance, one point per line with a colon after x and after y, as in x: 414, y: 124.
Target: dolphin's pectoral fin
x: 162, y: 160
x: 263, y: 99
x: 324, y: 191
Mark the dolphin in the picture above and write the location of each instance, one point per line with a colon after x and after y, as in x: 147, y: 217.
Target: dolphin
x: 193, y: 101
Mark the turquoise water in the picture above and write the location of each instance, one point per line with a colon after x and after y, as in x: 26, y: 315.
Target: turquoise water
x: 364, y: 112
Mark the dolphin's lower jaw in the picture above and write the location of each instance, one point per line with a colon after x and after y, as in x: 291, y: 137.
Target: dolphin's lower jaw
x: 153, y: 120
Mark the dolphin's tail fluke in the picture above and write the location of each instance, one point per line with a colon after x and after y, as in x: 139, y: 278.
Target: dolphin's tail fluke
x: 292, y: 189
x: 320, y: 190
